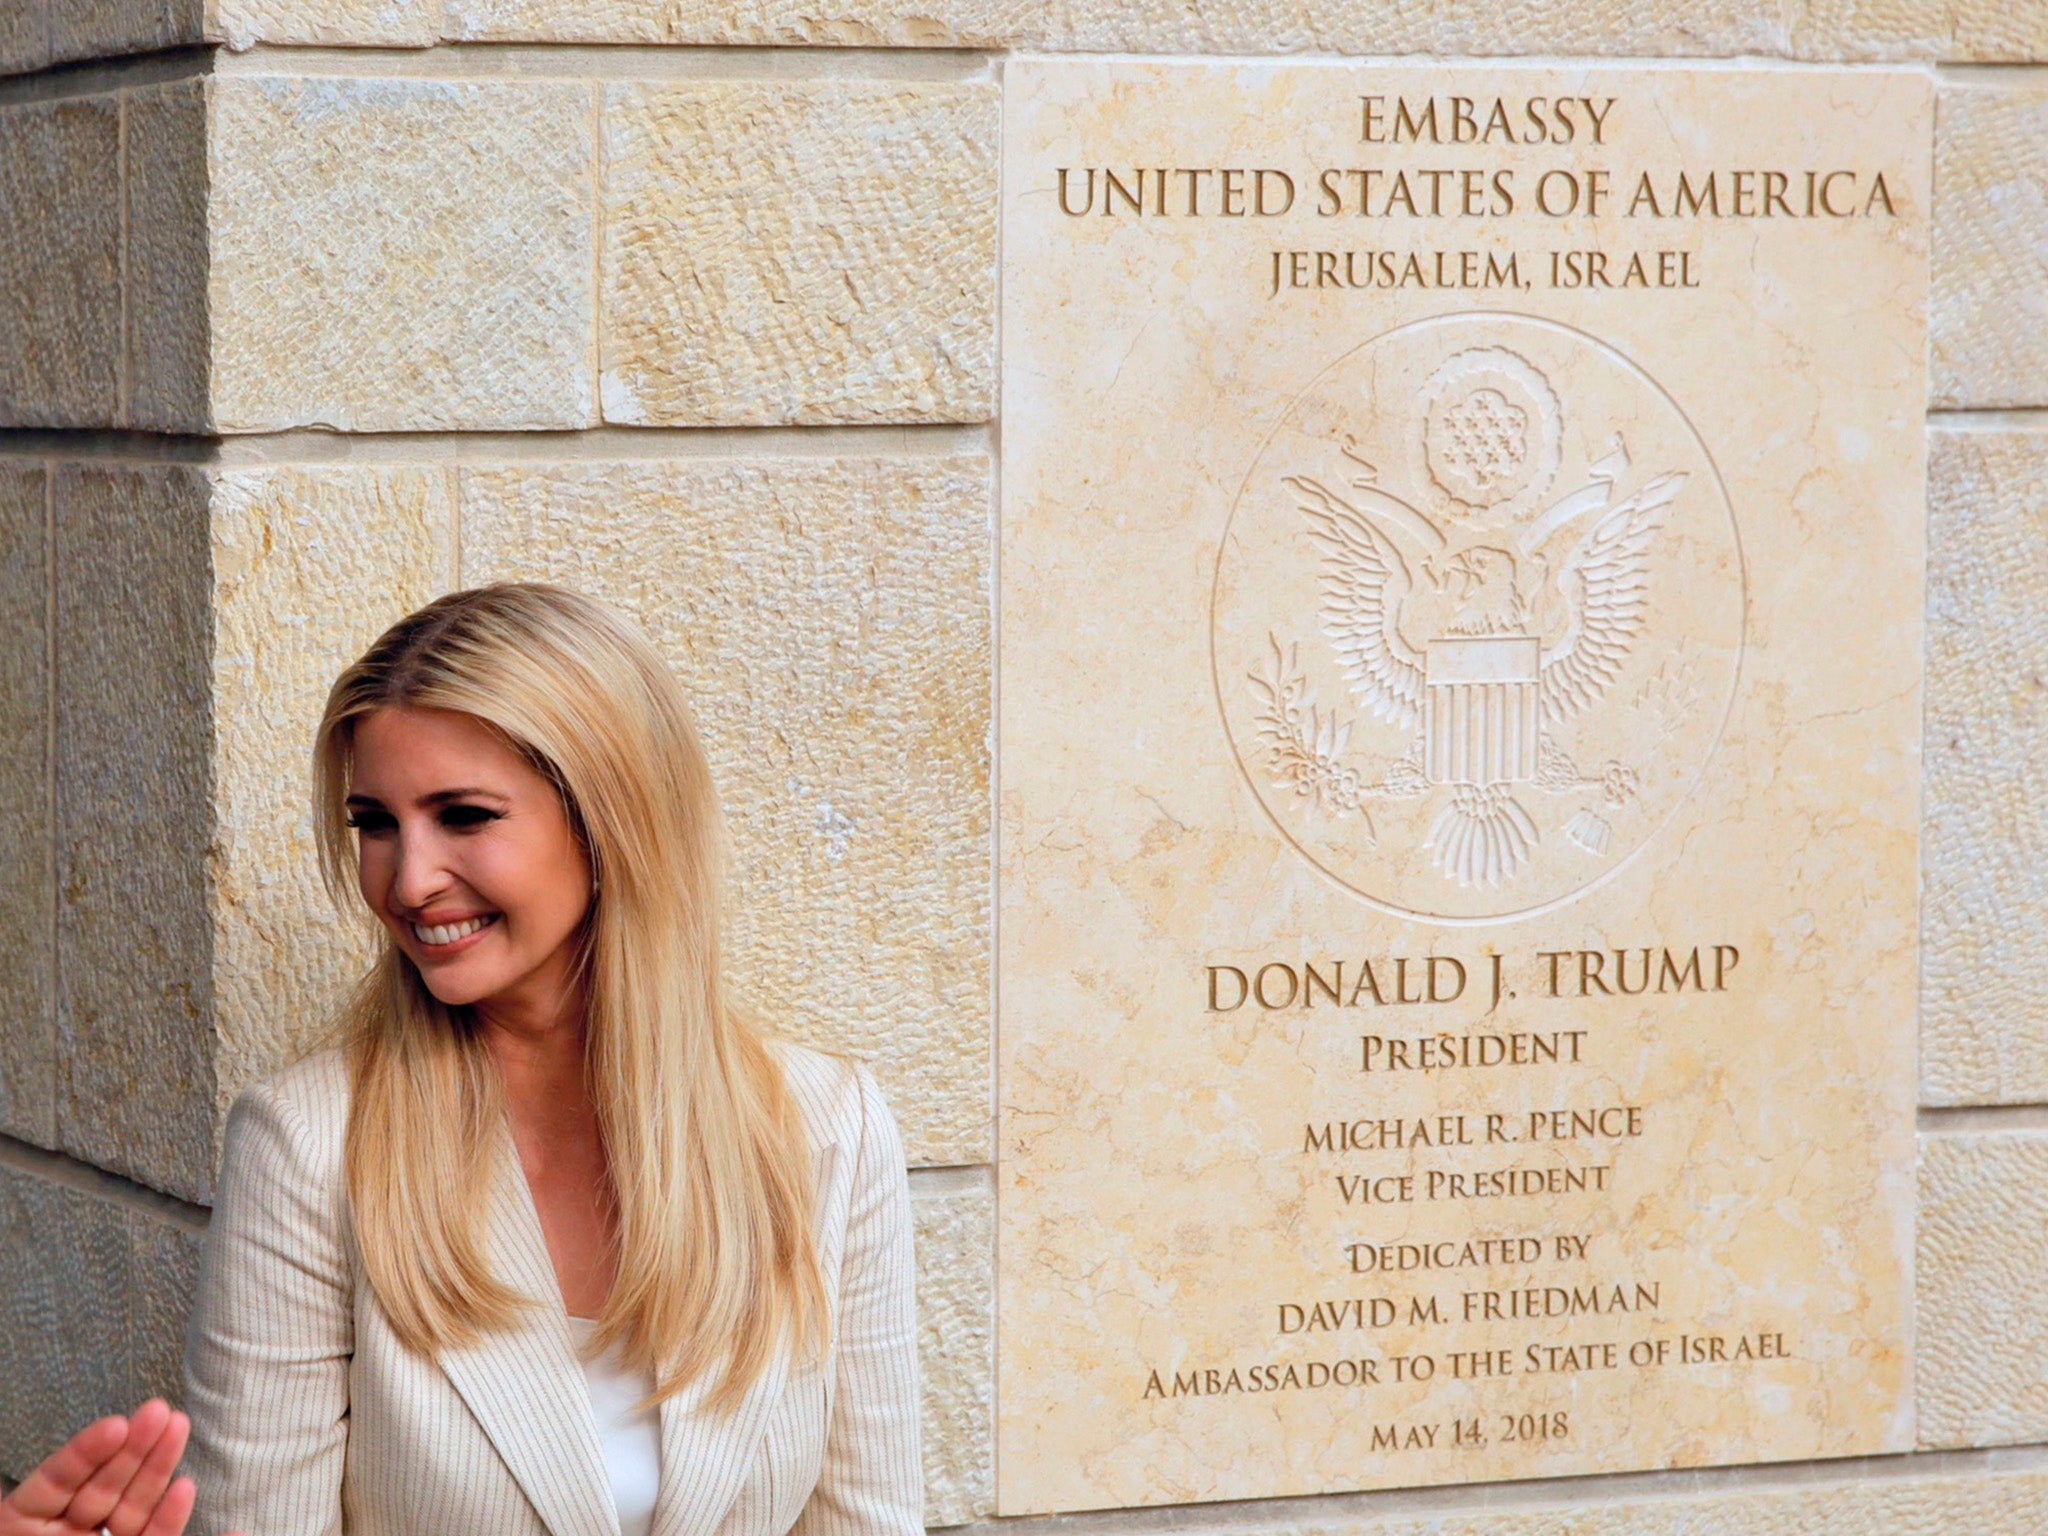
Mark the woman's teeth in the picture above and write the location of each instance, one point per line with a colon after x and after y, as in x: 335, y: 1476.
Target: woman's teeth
x: 448, y: 933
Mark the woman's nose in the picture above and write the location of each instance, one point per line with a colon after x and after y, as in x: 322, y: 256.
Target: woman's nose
x: 419, y: 874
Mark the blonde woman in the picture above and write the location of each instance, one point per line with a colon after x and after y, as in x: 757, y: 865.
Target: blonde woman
x: 554, y: 1242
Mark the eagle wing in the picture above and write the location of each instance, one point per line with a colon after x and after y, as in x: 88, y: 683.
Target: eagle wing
x: 1607, y: 583
x: 1364, y: 582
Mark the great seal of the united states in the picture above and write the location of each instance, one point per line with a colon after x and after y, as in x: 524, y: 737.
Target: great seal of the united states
x: 1478, y: 616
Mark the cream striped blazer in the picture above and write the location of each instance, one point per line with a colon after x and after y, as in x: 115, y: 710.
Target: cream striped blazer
x: 309, y: 1418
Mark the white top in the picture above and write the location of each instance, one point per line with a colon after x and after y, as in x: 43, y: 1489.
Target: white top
x: 631, y: 1441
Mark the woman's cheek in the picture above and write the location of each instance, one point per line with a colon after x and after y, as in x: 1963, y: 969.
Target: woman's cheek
x: 373, y: 877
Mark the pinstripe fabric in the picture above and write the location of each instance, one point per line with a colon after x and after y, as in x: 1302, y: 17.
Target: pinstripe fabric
x: 310, y: 1418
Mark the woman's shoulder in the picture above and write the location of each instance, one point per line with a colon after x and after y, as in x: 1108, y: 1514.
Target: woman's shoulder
x: 305, y: 1104
x: 840, y: 1100
x: 317, y: 1085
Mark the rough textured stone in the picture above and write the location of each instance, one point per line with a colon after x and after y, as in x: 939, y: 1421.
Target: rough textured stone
x: 94, y: 1292
x: 1829, y: 29
x: 861, y: 23
x: 167, y: 313
x: 1983, y: 1261
x: 63, y: 1315
x: 830, y: 619
x: 1955, y: 30
x: 164, y: 1263
x: 1988, y: 320
x: 24, y: 36
x: 310, y: 565
x: 401, y: 254
x: 2012, y: 1504
x: 956, y: 1345
x: 798, y: 251
x: 135, y: 1089
x: 99, y: 29
x: 1960, y: 31
x: 60, y: 263
x: 201, y: 616
x: 1983, y: 979
x: 354, y: 23
x: 28, y: 1041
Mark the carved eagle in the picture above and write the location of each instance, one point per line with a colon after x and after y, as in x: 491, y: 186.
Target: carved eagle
x: 1576, y: 579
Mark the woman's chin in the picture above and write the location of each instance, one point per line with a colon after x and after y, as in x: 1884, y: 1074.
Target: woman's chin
x: 451, y: 994
x: 455, y: 985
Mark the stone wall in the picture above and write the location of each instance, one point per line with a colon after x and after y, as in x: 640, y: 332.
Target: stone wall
x: 310, y: 310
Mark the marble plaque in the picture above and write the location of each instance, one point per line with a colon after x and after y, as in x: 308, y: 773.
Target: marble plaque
x: 1459, y: 708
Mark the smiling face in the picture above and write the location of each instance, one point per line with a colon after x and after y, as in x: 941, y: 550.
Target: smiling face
x: 469, y: 859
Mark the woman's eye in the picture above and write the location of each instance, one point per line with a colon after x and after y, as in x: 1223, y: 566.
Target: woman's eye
x: 467, y: 816
x: 370, y: 821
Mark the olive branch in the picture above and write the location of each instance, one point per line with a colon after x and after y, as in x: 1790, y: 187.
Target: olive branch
x: 1304, y: 746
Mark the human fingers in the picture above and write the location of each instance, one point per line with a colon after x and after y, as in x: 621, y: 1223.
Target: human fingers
x: 91, y: 1504
x: 145, y: 1491
x: 172, y: 1510
x: 45, y: 1492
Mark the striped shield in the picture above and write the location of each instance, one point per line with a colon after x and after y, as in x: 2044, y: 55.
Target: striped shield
x: 1480, y: 709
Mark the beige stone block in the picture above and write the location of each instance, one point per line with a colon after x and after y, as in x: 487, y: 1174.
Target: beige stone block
x: 95, y: 1286
x: 168, y: 335
x: 24, y: 37
x: 28, y: 1041
x: 200, y: 617
x: 310, y: 565
x: 1953, y: 30
x: 60, y: 263
x: 1982, y: 1372
x: 955, y: 1215
x: 830, y: 619
x: 1989, y: 1503
x: 100, y: 29
x: 1829, y: 29
x: 164, y: 1265
x: 134, y: 821
x: 1988, y: 321
x: 63, y: 1315
x: 851, y: 23
x: 798, y: 251
x: 401, y: 255
x: 341, y: 23
x: 1983, y: 978
x: 1991, y: 31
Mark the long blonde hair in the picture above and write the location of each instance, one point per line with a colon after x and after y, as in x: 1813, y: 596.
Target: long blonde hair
x: 710, y: 1166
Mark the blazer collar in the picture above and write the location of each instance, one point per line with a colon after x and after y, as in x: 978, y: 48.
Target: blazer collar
x: 526, y: 1387
x: 525, y: 1384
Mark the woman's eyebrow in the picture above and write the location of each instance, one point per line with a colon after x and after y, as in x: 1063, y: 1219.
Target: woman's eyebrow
x: 438, y: 797
x: 443, y: 796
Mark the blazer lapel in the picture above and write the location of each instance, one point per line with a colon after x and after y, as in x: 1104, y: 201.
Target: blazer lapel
x: 705, y: 1455
x: 525, y: 1384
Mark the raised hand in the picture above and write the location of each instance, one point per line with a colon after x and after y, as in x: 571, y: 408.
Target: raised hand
x: 115, y: 1474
